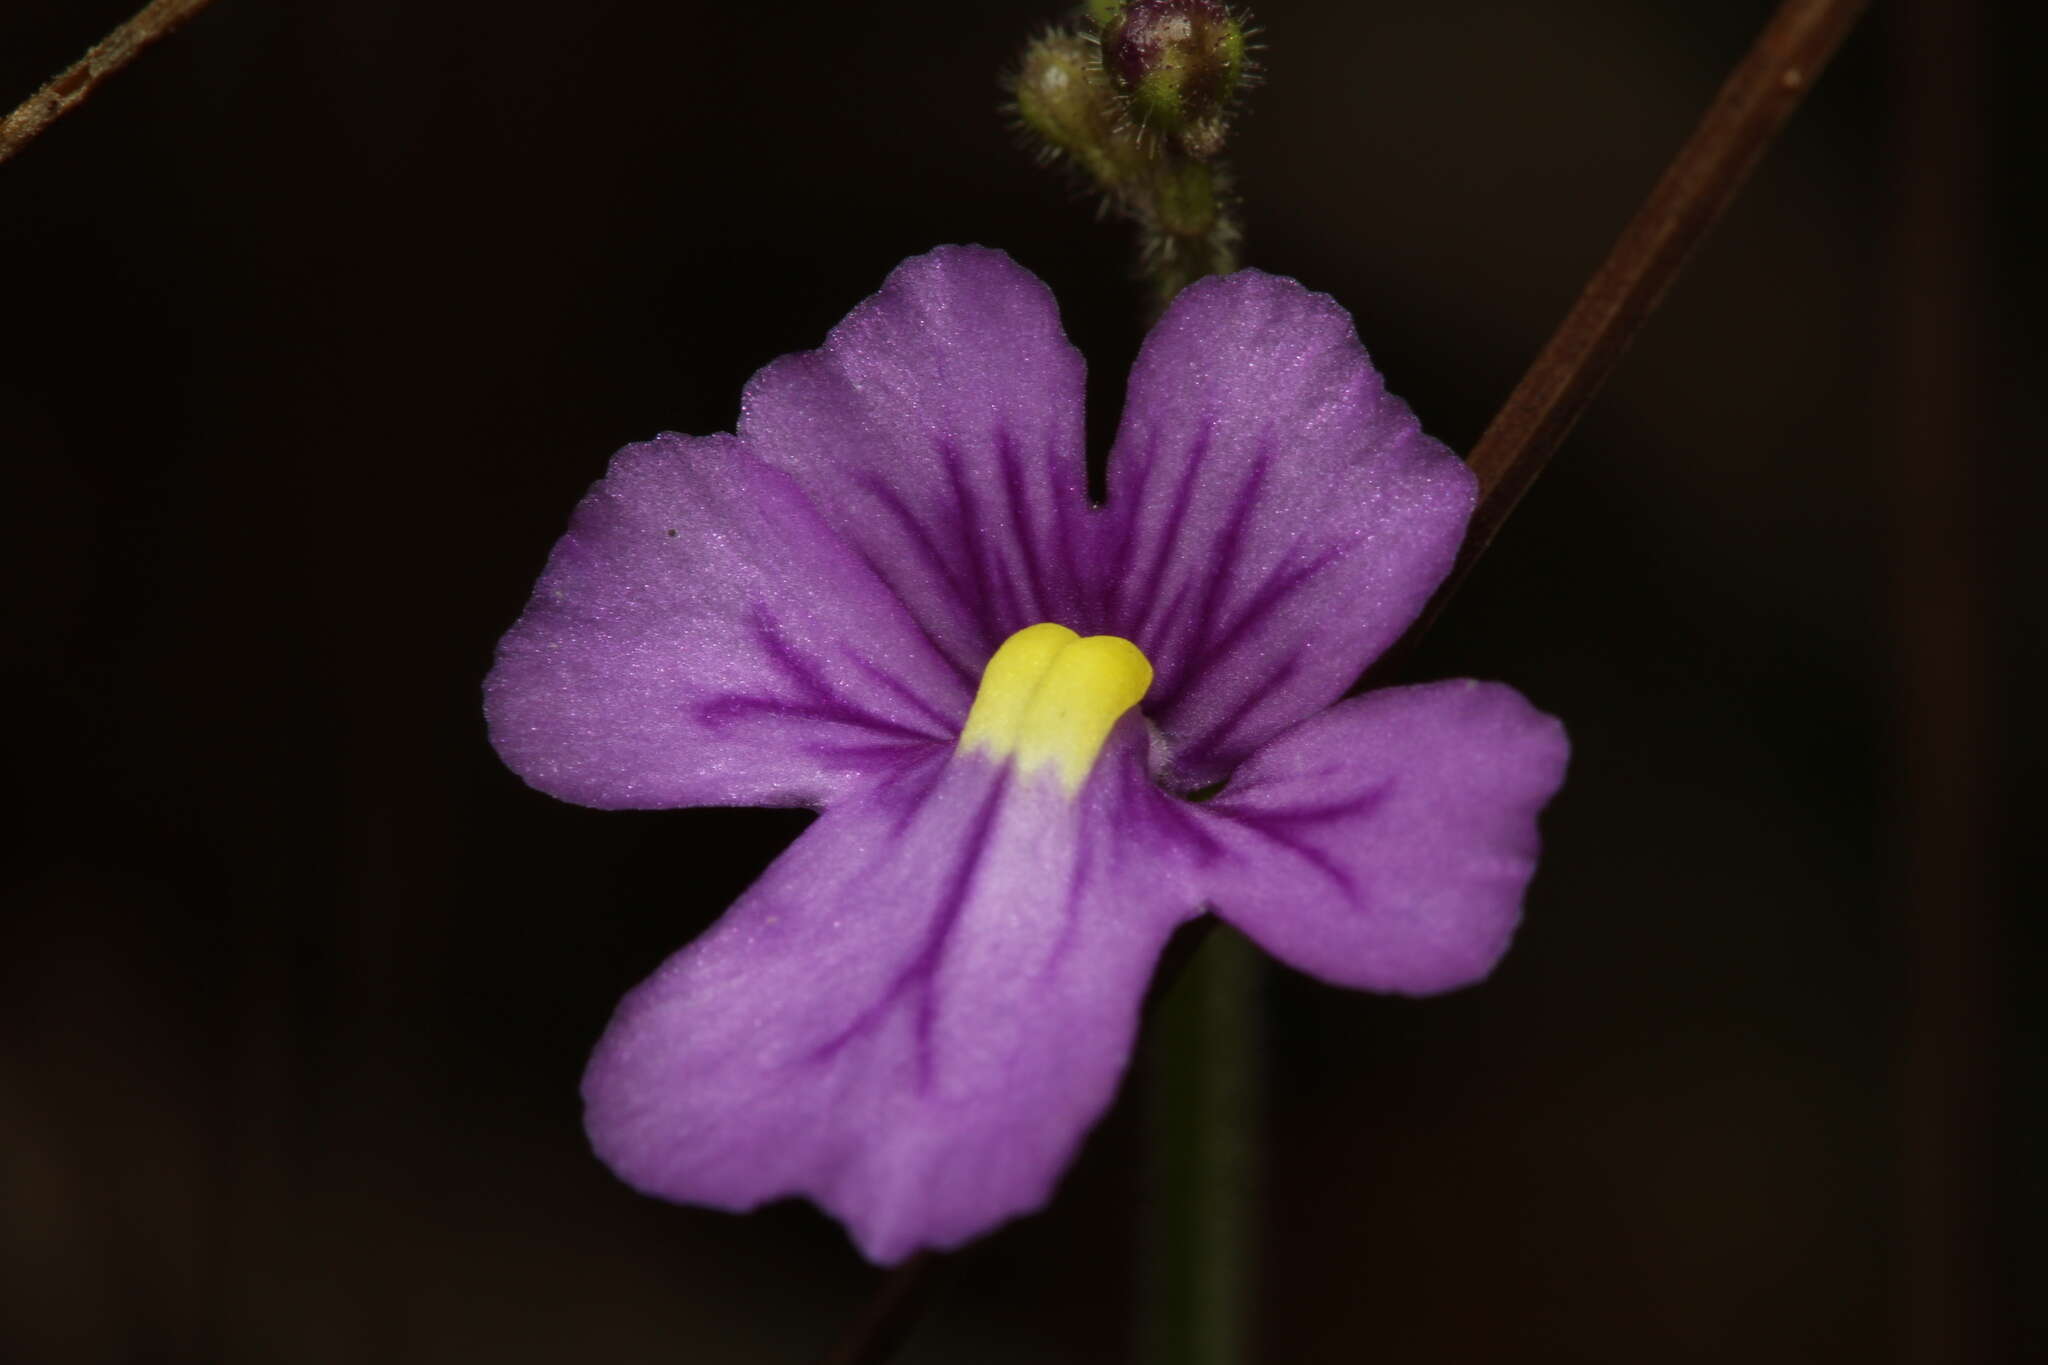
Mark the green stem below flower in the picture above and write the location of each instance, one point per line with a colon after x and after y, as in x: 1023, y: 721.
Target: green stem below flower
x: 1204, y: 1103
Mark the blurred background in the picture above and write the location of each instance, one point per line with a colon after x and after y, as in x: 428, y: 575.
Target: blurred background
x: 319, y: 319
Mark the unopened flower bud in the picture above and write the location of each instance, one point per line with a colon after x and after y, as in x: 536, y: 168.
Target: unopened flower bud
x: 1062, y: 97
x: 1177, y: 62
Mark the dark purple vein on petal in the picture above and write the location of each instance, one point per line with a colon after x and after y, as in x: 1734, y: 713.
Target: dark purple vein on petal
x: 925, y: 550
x: 873, y: 758
x: 1225, y: 554
x: 1173, y: 664
x: 1308, y: 853
x: 819, y: 699
x: 1263, y: 603
x: 1039, y: 608
x: 973, y: 604
x: 956, y: 901
x: 947, y: 726
x: 911, y: 802
x: 999, y: 617
x: 768, y: 633
x: 1200, y: 841
x: 1217, y: 740
x: 1078, y: 592
x: 1197, y: 623
x: 723, y: 711
x: 1169, y: 534
x: 1126, y: 580
x: 963, y: 668
x: 1277, y: 828
x: 1070, y: 919
x: 920, y: 971
x: 1142, y: 458
x: 1138, y: 798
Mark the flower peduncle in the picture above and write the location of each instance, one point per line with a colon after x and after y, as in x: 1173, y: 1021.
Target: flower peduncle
x: 1049, y: 698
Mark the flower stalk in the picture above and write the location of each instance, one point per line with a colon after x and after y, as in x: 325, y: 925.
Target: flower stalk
x: 1205, y: 1103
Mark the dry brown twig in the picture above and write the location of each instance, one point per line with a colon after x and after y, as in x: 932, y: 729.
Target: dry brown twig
x: 70, y: 87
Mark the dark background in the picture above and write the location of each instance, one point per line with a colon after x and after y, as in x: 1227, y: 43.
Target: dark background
x: 315, y: 323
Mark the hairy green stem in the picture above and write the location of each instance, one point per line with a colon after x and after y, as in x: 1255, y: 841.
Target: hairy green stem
x: 1189, y: 230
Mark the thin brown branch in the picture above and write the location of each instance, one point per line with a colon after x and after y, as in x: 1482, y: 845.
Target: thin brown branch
x: 1753, y: 104
x: 1695, y: 189
x: 85, y: 75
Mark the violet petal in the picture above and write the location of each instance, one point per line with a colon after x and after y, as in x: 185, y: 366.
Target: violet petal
x: 1385, y: 844
x: 1275, y: 517
x: 701, y: 637
x: 939, y: 429
x: 914, y: 1015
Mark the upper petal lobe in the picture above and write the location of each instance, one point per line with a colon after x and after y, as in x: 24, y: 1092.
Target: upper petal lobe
x: 940, y: 430
x: 1275, y: 517
x: 701, y: 636
x: 912, y: 1017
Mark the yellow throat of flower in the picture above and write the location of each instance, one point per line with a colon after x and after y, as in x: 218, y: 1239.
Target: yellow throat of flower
x: 1049, y: 699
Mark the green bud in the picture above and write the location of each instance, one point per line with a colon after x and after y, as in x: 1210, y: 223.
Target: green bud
x: 1063, y: 98
x: 1139, y: 107
x: 1177, y: 63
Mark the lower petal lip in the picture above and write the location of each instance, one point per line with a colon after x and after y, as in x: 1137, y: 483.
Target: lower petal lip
x: 912, y: 1018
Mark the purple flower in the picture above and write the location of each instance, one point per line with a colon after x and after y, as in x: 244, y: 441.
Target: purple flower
x: 918, y: 1010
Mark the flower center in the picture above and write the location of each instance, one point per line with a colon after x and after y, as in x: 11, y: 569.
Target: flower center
x: 1049, y: 699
